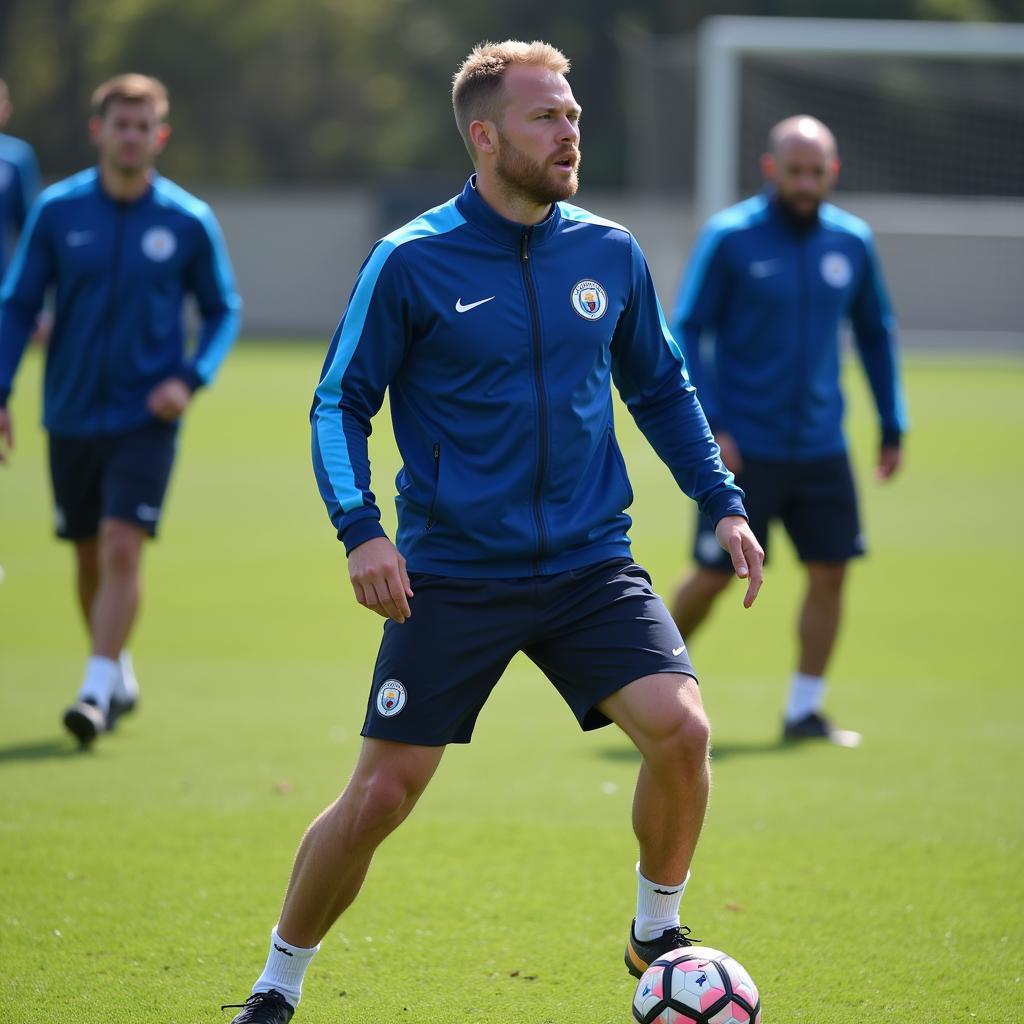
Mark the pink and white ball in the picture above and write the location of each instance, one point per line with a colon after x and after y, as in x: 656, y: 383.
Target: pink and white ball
x: 696, y: 985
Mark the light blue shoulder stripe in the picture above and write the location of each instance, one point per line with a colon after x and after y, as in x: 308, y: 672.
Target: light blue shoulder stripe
x: 330, y: 429
x: 834, y: 217
x: 169, y: 194
x: 69, y: 188
x: 581, y: 216
x: 743, y: 215
x: 841, y: 220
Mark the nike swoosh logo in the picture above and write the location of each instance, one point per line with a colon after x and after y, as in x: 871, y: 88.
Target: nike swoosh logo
x: 77, y: 238
x: 676, y: 651
x: 460, y: 308
x: 667, y: 892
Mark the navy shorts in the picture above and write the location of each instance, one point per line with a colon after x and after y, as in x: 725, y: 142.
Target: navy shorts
x: 815, y: 500
x: 590, y: 631
x: 115, y: 476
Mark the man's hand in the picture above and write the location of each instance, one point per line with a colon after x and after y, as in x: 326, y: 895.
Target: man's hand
x: 890, y: 459
x: 6, y: 434
x: 169, y: 399
x: 730, y: 452
x: 735, y: 535
x: 378, y: 576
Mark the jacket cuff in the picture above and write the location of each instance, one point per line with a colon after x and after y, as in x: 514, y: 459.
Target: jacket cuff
x: 892, y: 437
x: 360, y: 532
x: 5, y: 393
x: 191, y: 377
x: 725, y: 503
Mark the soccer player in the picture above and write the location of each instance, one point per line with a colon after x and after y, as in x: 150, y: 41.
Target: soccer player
x: 498, y: 321
x: 19, y: 181
x: 760, y: 305
x: 122, y: 247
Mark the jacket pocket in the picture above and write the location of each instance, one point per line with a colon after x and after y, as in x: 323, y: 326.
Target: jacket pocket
x: 621, y: 463
x: 437, y: 484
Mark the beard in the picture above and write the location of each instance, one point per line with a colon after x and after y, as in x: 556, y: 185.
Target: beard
x: 525, y: 178
x: 803, y: 216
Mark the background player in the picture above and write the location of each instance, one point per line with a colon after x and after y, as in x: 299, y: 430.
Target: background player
x: 123, y: 247
x: 19, y: 181
x: 760, y: 305
x: 497, y: 322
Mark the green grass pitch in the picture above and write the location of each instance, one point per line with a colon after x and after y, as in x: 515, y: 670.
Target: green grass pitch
x: 138, y: 882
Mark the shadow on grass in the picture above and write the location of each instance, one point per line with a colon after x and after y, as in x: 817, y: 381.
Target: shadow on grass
x: 719, y: 751
x: 41, y: 750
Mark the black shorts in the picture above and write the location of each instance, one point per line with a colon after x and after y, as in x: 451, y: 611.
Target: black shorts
x: 816, y: 501
x: 590, y: 631
x: 118, y: 476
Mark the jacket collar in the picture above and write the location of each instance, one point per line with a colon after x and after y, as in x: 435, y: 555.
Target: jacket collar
x: 506, y: 232
x: 794, y: 225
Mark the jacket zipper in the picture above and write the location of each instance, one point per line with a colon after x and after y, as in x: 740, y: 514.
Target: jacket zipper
x: 108, y: 316
x: 542, y: 411
x: 802, y: 355
x: 437, y: 484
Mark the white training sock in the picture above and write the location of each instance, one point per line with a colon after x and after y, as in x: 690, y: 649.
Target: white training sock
x: 657, y: 906
x: 806, y: 694
x: 126, y: 690
x: 286, y: 966
x: 101, y: 676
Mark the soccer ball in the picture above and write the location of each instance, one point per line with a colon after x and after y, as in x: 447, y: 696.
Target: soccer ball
x: 696, y: 985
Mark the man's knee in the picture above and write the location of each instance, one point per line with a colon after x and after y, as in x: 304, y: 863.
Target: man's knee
x: 386, y: 786
x: 120, y: 546
x: 681, y: 738
x: 826, y: 578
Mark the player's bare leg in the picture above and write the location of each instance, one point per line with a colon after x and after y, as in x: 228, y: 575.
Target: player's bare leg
x: 116, y: 603
x: 108, y: 583
x: 817, y: 628
x: 336, y: 850
x: 87, y: 575
x: 664, y: 717
x: 695, y: 597
x: 819, y: 615
x: 331, y: 863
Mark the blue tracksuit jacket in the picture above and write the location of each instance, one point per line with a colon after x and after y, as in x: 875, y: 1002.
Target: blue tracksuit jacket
x: 19, y: 184
x: 498, y: 343
x: 121, y: 272
x: 758, y: 319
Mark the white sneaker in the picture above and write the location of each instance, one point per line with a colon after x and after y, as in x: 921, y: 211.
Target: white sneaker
x: 126, y: 691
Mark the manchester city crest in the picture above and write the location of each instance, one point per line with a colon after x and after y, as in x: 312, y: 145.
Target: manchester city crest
x: 391, y: 698
x: 159, y: 244
x: 836, y: 269
x: 590, y: 300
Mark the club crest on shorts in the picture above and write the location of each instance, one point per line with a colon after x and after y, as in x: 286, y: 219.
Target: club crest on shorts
x: 836, y: 269
x: 159, y: 244
x: 391, y: 698
x: 589, y: 299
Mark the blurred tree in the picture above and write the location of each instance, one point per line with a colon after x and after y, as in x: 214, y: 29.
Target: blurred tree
x: 332, y: 91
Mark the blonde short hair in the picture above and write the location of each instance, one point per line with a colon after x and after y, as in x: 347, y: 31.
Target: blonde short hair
x: 476, y: 87
x: 131, y: 88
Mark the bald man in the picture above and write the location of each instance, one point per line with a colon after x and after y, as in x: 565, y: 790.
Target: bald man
x: 769, y: 282
x: 19, y: 181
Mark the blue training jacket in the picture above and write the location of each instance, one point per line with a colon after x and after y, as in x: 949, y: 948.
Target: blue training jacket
x: 498, y: 343
x: 121, y: 271
x: 19, y: 185
x: 758, y: 318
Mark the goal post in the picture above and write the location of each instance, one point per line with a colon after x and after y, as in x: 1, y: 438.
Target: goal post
x: 723, y: 42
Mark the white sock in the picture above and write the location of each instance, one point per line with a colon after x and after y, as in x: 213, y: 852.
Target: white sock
x: 806, y: 694
x: 286, y: 966
x: 127, y: 687
x: 657, y: 906
x: 101, y: 676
